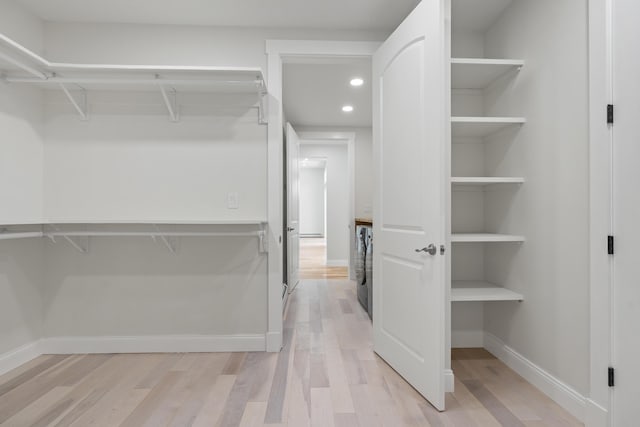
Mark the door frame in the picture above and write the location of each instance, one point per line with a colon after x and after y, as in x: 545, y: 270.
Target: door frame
x: 277, y: 52
x: 348, y: 139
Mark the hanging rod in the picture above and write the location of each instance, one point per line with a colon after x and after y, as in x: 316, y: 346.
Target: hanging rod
x: 152, y: 233
x: 20, y: 235
x: 130, y: 81
x: 40, y: 76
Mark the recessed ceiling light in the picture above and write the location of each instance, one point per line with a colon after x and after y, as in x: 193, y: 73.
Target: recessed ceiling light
x: 357, y: 81
x: 347, y: 108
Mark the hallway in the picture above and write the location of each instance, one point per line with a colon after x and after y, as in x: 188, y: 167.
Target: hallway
x: 313, y: 260
x: 326, y: 375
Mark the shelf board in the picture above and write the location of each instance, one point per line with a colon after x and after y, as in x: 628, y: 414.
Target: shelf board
x: 468, y: 291
x: 144, y: 222
x: 484, y: 238
x: 481, y: 127
x: 479, y: 73
x: 483, y: 181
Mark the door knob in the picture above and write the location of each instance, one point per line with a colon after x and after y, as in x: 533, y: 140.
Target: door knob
x: 431, y: 249
x: 291, y: 228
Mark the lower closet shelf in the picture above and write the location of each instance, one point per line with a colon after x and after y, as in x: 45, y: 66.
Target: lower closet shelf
x: 469, y: 291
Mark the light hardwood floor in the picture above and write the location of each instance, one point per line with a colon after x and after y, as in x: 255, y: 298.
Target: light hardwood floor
x: 313, y: 260
x: 326, y: 375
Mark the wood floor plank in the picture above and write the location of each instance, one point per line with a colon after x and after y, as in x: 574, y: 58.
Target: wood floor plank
x: 42, y: 364
x: 278, y: 386
x: 154, y: 398
x: 215, y: 402
x: 32, y: 413
x: 322, y: 409
x: 253, y: 415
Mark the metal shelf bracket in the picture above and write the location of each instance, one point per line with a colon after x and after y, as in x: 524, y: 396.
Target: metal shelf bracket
x: 170, y: 101
x: 263, y: 110
x: 170, y: 242
x: 79, y: 105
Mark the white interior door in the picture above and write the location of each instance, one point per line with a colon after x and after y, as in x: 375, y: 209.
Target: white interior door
x: 626, y: 200
x: 409, y: 134
x: 293, y: 207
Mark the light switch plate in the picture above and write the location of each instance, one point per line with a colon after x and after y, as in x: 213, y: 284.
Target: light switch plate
x: 232, y: 200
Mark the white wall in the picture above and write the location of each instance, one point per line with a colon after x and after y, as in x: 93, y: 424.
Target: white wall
x: 312, y: 203
x: 337, y: 198
x: 176, y: 45
x: 135, y: 287
x: 21, y: 279
x: 130, y: 162
x: 20, y: 25
x: 551, y: 269
x: 363, y: 166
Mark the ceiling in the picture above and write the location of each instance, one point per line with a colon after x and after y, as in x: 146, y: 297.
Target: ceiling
x: 326, y: 14
x: 313, y: 94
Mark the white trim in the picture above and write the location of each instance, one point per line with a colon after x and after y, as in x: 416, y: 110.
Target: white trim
x: 595, y: 415
x: 600, y: 217
x: 557, y: 390
x: 19, y: 356
x: 449, y: 381
x: 153, y: 344
x: 277, y: 51
x: 467, y: 339
x: 274, y: 339
x: 337, y: 263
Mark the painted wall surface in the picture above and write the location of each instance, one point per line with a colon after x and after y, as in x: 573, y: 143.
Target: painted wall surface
x: 551, y: 269
x: 20, y: 25
x: 176, y: 45
x: 21, y: 155
x: 135, y: 287
x: 363, y: 166
x: 21, y: 282
x: 312, y: 204
x: 337, y: 198
x: 129, y: 161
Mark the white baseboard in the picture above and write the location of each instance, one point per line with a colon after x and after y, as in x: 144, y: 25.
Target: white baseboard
x: 274, y: 342
x: 595, y: 415
x: 153, y: 344
x: 557, y: 390
x: 337, y: 263
x: 19, y: 356
x: 467, y: 339
x: 449, y: 381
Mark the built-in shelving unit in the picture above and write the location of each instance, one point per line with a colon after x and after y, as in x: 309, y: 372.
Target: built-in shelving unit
x: 476, y: 291
x: 484, y: 181
x: 480, y: 73
x: 480, y: 127
x: 484, y: 238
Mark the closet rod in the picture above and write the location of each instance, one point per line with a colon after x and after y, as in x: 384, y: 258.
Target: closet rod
x: 152, y: 234
x: 40, y: 76
x: 131, y: 81
x: 20, y: 235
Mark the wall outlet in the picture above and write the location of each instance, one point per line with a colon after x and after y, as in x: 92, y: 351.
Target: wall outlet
x: 232, y: 200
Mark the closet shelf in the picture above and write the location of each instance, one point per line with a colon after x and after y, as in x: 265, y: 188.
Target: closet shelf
x: 469, y: 291
x: 19, y: 65
x: 481, y: 127
x: 480, y: 73
x: 484, y: 238
x: 483, y: 181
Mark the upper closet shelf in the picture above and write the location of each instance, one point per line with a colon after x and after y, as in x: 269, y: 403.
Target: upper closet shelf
x: 478, y: 73
x: 480, y: 127
x: 19, y: 65
x: 484, y: 238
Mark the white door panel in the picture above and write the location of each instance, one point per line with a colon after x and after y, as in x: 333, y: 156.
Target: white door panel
x: 409, y: 127
x: 293, y: 208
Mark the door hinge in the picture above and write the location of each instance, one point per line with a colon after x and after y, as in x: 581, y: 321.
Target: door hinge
x: 610, y: 245
x: 611, y: 377
x: 610, y: 114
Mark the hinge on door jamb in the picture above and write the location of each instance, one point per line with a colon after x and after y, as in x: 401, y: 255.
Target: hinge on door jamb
x: 610, y: 245
x: 610, y: 114
x: 611, y: 374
